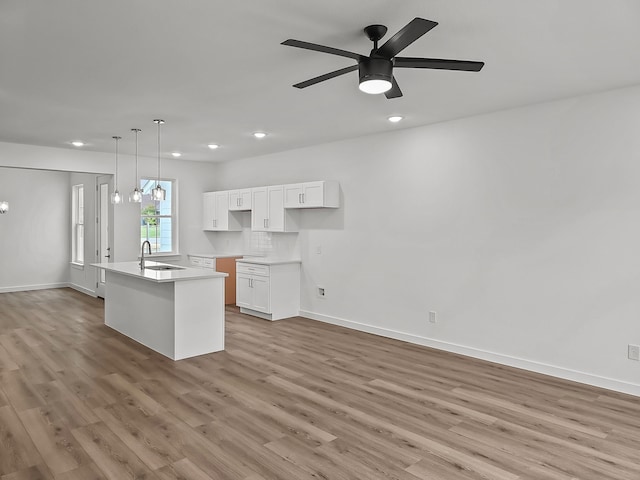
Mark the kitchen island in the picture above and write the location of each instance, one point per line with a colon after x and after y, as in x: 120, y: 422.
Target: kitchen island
x: 178, y: 312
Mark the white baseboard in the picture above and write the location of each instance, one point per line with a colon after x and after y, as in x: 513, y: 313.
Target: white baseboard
x: 46, y: 286
x: 25, y: 288
x: 546, y: 369
x: 82, y: 289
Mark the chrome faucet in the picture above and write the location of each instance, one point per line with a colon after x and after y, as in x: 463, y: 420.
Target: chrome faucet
x: 142, y: 253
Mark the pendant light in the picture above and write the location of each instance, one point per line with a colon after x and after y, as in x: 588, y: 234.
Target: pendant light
x: 4, y: 206
x: 116, y: 198
x: 158, y: 193
x: 136, y: 195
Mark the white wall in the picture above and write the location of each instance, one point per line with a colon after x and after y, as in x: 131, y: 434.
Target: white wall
x: 520, y: 228
x: 34, y: 234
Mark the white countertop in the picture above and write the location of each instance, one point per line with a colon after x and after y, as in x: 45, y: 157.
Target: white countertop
x: 132, y: 269
x: 214, y: 255
x: 267, y: 261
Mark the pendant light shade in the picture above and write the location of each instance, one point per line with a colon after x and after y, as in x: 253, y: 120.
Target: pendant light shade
x: 136, y: 195
x: 4, y: 206
x: 116, y: 198
x: 158, y: 193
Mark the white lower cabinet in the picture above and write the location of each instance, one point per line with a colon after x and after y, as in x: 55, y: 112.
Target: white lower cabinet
x: 252, y: 291
x: 268, y: 291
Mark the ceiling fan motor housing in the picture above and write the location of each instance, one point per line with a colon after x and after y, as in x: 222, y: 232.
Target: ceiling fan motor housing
x: 375, y: 68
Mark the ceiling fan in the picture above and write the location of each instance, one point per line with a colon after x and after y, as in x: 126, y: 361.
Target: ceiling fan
x: 376, y: 70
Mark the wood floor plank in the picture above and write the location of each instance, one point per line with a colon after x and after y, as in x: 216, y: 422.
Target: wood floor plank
x: 52, y: 439
x: 288, y: 400
x: 182, y: 470
x: 153, y: 450
x: 17, y: 451
x: 110, y: 454
x: 37, y: 472
x: 85, y: 472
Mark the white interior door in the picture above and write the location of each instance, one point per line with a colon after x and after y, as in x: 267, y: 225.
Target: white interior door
x: 104, y: 234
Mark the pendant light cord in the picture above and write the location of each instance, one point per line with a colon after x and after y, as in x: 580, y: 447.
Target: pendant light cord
x: 136, y: 130
x: 158, y: 182
x: 116, y: 176
x: 159, y: 122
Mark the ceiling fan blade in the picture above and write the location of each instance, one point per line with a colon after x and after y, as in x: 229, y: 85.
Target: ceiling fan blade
x: 321, y: 48
x: 326, y: 76
x: 438, y: 63
x: 395, y: 91
x: 405, y: 37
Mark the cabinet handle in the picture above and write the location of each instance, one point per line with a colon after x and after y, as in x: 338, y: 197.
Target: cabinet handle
x: 303, y: 198
x: 240, y: 201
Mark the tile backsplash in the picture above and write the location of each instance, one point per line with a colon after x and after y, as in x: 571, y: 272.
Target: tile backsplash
x: 259, y: 244
x: 266, y: 244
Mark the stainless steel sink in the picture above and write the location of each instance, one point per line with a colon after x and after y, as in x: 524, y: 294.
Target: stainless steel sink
x: 163, y: 267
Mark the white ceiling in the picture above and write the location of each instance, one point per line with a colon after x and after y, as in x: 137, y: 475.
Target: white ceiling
x: 216, y: 72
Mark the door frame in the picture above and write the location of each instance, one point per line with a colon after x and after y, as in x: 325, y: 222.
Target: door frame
x: 104, y: 229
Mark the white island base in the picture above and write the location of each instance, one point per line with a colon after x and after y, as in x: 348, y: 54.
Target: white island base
x: 179, y: 319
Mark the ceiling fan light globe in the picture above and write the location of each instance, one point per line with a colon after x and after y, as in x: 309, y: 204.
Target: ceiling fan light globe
x: 375, y: 86
x: 375, y: 75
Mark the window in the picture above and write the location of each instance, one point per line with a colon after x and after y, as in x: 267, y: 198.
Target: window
x: 158, y: 219
x: 77, y: 224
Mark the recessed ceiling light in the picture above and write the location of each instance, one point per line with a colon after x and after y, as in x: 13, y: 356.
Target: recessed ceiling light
x: 176, y: 154
x: 259, y: 134
x: 77, y: 143
x: 395, y: 118
x: 213, y: 146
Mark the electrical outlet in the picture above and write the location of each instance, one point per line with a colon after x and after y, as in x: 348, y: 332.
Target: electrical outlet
x: 321, y: 292
x: 433, y: 317
x: 633, y: 352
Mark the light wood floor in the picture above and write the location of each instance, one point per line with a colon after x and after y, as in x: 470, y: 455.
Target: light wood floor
x: 293, y: 399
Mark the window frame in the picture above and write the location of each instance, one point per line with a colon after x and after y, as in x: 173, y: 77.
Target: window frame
x: 78, y: 225
x: 146, y: 184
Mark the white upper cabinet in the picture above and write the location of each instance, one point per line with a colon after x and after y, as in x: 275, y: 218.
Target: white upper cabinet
x: 208, y: 210
x: 268, y: 213
x: 216, y: 215
x: 321, y: 194
x: 240, y: 199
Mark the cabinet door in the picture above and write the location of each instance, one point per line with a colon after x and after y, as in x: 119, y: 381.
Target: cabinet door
x: 275, y: 217
x: 261, y: 294
x: 260, y: 211
x: 293, y: 196
x: 313, y: 194
x: 240, y: 200
x: 208, y: 210
x: 244, y: 292
x: 234, y: 200
x: 221, y: 218
x: 245, y: 199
